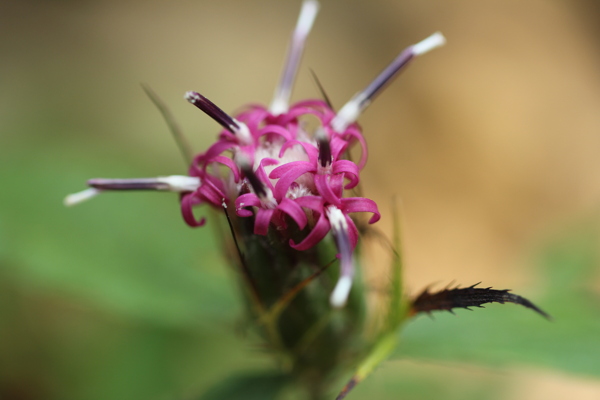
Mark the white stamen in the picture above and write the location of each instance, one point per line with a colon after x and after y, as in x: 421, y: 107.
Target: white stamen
x: 340, y: 293
x: 80, y: 197
x: 242, y: 132
x: 180, y: 183
x: 173, y: 183
x: 337, y: 220
x: 428, y: 44
x: 308, y: 13
x: 348, y: 114
x: 339, y: 227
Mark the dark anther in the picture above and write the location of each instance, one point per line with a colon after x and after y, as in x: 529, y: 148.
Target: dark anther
x: 212, y: 111
x: 128, y: 184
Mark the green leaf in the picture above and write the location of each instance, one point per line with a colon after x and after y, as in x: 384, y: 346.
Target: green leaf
x: 248, y: 386
x: 505, y: 335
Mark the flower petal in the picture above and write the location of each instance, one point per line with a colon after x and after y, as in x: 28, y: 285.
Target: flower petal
x: 262, y: 220
x: 229, y: 164
x: 325, y: 189
x: 262, y: 174
x: 352, y: 132
x: 188, y: 200
x: 350, y: 171
x: 352, y: 232
x: 278, y: 172
x: 284, y: 182
x: 294, y: 211
x: 318, y: 232
x: 246, y: 200
x: 311, y: 150
x: 275, y: 130
x: 361, y: 204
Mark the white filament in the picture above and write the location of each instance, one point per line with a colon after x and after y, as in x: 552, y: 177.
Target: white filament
x: 281, y: 99
x: 429, y: 43
x: 174, y: 183
x: 80, y: 197
x: 350, y: 112
x: 340, y: 293
x: 180, y: 183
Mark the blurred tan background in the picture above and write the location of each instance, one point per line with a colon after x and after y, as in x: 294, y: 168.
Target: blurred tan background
x: 490, y: 142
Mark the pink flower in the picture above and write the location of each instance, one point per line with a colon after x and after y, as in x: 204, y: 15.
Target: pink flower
x: 275, y: 170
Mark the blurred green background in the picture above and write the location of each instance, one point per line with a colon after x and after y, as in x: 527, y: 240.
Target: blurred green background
x: 491, y: 142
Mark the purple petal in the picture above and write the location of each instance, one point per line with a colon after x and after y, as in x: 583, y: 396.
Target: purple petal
x: 311, y: 151
x: 274, y: 130
x: 361, y: 204
x: 314, y: 203
x: 283, y: 184
x: 338, y: 145
x: 208, y: 191
x: 294, y: 211
x: 352, y: 232
x: 253, y: 116
x: 285, y: 168
x: 187, y: 202
x: 246, y: 200
x: 318, y: 232
x: 322, y: 182
x: 262, y: 220
x: 262, y: 174
x: 353, y: 132
x: 350, y: 171
x: 213, y: 151
x: 229, y: 164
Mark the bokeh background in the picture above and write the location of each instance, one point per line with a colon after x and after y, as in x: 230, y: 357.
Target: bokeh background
x: 491, y: 144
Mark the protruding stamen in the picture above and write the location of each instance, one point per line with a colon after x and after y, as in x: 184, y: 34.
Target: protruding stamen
x: 324, y: 149
x: 174, y: 183
x: 80, y: 197
x: 283, y: 92
x: 340, y: 293
x: 221, y: 117
x: 350, y: 112
x: 339, y: 228
x: 434, y: 41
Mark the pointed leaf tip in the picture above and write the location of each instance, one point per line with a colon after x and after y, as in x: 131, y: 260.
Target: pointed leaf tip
x: 448, y: 299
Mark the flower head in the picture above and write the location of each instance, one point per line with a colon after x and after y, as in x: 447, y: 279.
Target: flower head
x: 276, y: 171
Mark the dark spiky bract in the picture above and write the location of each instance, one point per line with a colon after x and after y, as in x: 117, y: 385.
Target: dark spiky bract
x: 472, y: 296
